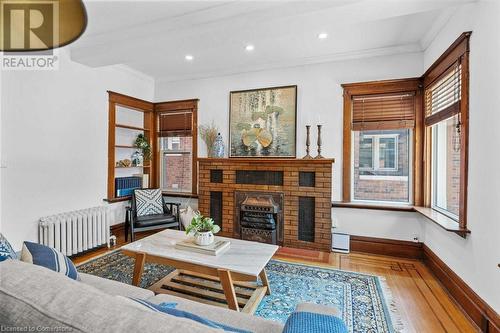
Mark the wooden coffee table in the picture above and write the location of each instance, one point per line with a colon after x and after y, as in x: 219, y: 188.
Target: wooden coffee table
x: 229, y: 279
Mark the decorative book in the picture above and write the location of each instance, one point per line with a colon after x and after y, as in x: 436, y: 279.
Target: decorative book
x: 216, y: 248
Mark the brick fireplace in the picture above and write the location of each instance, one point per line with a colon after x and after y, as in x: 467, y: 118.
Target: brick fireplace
x: 285, y: 201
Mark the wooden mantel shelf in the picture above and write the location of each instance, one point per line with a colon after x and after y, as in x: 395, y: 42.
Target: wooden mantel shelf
x: 261, y: 160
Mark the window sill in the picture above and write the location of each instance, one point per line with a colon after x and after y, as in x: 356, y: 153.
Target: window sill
x: 179, y: 194
x: 442, y: 220
x: 364, y: 205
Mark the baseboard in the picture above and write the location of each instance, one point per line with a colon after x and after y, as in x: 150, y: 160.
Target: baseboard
x: 387, y: 247
x: 478, y: 310
x: 117, y: 228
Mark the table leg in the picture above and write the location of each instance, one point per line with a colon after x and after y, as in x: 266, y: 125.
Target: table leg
x: 228, y: 287
x: 140, y: 259
x: 265, y: 281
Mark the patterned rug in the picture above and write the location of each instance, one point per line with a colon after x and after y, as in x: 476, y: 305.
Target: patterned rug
x: 362, y: 298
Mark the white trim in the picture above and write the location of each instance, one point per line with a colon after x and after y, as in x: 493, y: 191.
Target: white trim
x: 381, y: 177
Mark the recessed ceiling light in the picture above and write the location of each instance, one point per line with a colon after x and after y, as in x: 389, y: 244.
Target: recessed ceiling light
x: 249, y: 47
x: 322, y: 35
x: 188, y: 57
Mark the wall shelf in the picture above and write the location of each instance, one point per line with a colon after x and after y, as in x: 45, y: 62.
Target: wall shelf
x: 134, y: 128
x: 130, y: 110
x: 126, y: 147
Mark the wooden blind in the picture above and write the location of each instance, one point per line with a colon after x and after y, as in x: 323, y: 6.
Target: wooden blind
x: 178, y: 123
x: 381, y: 112
x: 442, y: 98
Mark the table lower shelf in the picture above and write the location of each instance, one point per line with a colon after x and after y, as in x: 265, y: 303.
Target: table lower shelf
x: 209, y: 290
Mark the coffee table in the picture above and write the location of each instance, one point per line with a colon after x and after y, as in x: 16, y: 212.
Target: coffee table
x: 229, y: 278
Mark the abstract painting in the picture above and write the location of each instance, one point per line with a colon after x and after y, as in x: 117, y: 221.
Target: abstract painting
x: 262, y: 122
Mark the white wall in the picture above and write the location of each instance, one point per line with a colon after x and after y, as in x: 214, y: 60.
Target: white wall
x: 475, y: 259
x: 54, y: 140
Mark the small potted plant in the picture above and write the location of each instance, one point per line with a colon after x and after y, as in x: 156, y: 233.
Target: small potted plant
x: 203, y: 228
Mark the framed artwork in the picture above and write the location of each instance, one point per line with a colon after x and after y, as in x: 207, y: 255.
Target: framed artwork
x: 262, y: 122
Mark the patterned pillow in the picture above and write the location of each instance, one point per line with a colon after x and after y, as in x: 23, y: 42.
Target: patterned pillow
x: 6, y: 250
x: 148, y: 202
x: 48, y: 257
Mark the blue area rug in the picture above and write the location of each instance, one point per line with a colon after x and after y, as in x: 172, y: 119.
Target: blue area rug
x: 360, y: 297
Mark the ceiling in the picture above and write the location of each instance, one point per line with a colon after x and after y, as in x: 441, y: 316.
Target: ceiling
x: 153, y: 37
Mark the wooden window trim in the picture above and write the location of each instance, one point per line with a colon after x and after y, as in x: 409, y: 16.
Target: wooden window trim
x: 409, y: 85
x: 174, y: 106
x: 422, y: 143
x: 457, y: 52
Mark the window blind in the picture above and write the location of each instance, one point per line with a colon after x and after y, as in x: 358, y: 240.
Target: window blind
x: 179, y: 123
x: 381, y: 112
x: 442, y: 98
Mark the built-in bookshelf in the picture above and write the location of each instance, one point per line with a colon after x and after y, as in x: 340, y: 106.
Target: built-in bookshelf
x: 128, y: 117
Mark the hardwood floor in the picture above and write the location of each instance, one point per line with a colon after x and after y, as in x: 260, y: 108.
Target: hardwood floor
x: 423, y: 304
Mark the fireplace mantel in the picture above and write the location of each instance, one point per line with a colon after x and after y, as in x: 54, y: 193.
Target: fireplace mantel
x: 261, y: 160
x: 306, y: 185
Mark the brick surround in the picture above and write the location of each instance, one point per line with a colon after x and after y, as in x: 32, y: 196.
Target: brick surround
x: 322, y: 192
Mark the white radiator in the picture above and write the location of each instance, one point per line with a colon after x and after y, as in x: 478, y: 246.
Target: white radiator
x: 77, y: 231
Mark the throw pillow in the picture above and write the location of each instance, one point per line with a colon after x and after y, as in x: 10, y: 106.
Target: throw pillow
x: 169, y: 308
x: 50, y: 258
x: 186, y: 216
x: 6, y: 250
x: 308, y: 322
x: 148, y: 202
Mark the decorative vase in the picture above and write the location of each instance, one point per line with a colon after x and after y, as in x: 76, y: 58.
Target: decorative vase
x: 137, y: 159
x: 204, y: 238
x: 218, y: 148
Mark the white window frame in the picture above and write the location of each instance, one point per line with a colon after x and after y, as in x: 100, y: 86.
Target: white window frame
x: 410, y: 171
x: 434, y: 173
x: 376, y: 152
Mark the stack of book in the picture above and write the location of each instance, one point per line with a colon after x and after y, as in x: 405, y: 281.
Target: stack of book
x: 216, y: 248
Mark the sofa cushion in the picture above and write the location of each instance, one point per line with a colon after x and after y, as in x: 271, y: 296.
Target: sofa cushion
x: 169, y: 308
x: 115, y: 288
x: 155, y: 219
x: 148, y: 202
x: 318, y: 308
x: 222, y: 315
x: 48, y: 257
x: 6, y: 250
x: 36, y: 296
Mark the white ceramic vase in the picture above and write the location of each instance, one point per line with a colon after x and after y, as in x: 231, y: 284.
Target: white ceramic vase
x: 204, y: 238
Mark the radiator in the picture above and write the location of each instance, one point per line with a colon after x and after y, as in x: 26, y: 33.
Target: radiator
x: 77, y: 231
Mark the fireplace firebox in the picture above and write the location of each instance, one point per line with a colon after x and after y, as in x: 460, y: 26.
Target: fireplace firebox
x: 259, y: 216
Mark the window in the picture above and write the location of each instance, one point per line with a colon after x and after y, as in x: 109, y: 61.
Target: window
x: 446, y: 132
x: 381, y: 165
x: 446, y: 167
x: 176, y: 163
x: 380, y: 125
x: 177, y: 146
x: 378, y: 152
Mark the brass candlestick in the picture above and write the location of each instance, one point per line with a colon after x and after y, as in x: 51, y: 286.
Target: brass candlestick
x: 319, y: 143
x: 308, y: 143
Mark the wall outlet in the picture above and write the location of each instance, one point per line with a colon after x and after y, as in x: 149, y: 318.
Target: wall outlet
x: 415, y: 239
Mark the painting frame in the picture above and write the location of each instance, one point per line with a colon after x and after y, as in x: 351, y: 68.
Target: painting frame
x: 232, y: 150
